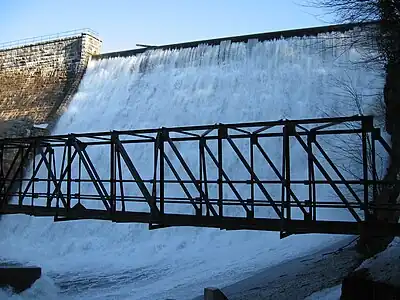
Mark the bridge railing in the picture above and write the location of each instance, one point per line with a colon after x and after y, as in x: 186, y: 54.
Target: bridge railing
x: 47, y: 38
x: 292, y: 176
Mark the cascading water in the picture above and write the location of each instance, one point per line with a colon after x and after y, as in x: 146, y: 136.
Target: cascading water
x: 238, y: 82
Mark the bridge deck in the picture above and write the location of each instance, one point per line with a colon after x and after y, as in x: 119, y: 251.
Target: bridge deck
x: 226, y: 223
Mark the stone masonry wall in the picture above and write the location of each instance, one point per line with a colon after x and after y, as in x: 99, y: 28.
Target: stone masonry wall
x: 36, y: 79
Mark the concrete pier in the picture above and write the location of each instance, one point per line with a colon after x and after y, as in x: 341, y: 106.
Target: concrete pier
x: 19, y: 278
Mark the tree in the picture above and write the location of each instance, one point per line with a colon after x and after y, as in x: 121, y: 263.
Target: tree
x: 386, y: 14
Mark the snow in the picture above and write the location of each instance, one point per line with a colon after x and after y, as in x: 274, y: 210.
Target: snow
x: 228, y: 83
x: 332, y: 293
x: 385, y: 266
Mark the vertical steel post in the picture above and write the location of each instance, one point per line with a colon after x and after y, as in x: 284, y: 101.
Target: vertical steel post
x: 373, y: 166
x: 21, y: 174
x: 203, y: 145
x: 222, y: 133
x: 311, y: 136
x: 62, y: 171
x: 2, y: 173
x: 162, y: 172
x: 253, y: 141
x: 80, y: 178
x: 33, y: 168
x: 365, y: 166
x: 54, y: 169
x: 2, y: 163
x: 286, y: 138
x: 113, y: 175
x: 49, y: 171
x: 69, y: 173
x: 2, y: 178
x: 121, y: 186
x: 283, y: 179
x: 201, y: 157
x: 156, y: 147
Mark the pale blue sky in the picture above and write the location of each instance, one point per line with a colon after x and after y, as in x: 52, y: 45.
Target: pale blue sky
x: 124, y: 23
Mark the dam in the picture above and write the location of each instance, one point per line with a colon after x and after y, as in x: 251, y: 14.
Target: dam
x: 297, y: 75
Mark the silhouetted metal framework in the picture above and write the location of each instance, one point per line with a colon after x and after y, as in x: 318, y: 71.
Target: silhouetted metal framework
x: 60, y: 166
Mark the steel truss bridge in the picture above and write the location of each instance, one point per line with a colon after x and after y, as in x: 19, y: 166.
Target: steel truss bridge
x: 204, y: 176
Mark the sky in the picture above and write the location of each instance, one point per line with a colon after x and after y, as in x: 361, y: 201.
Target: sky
x: 121, y: 24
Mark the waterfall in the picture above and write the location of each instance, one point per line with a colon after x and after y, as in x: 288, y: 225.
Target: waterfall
x: 232, y: 82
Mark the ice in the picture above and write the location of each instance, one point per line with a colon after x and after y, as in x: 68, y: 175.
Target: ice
x: 233, y: 82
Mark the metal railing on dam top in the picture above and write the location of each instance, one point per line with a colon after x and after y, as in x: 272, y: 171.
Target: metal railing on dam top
x: 261, y: 175
x: 47, y: 38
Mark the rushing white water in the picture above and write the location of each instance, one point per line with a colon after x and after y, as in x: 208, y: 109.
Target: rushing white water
x: 254, y: 81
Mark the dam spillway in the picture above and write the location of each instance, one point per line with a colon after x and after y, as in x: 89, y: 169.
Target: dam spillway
x: 227, y: 83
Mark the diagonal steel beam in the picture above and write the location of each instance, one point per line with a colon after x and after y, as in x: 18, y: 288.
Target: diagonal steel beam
x: 214, y: 159
x: 260, y: 130
x: 189, y: 172
x: 325, y: 155
x: 21, y: 165
x: 52, y: 175
x: 57, y: 189
x: 384, y: 144
x: 278, y: 174
x: 139, y: 181
x: 184, y: 188
x: 36, y: 170
x: 326, y: 175
x: 4, y: 182
x: 260, y: 185
x: 34, y: 173
x: 96, y: 180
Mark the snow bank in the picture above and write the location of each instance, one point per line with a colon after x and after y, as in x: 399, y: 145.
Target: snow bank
x: 332, y: 293
x: 385, y: 266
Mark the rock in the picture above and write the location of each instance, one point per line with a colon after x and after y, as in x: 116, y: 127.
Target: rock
x: 19, y: 278
x: 214, y: 294
x: 360, y: 285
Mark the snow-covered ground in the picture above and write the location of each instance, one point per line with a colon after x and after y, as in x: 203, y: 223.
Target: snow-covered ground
x: 332, y: 293
x: 385, y: 266
x: 228, y: 83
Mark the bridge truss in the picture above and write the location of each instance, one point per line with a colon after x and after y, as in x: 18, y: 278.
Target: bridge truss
x: 262, y: 175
